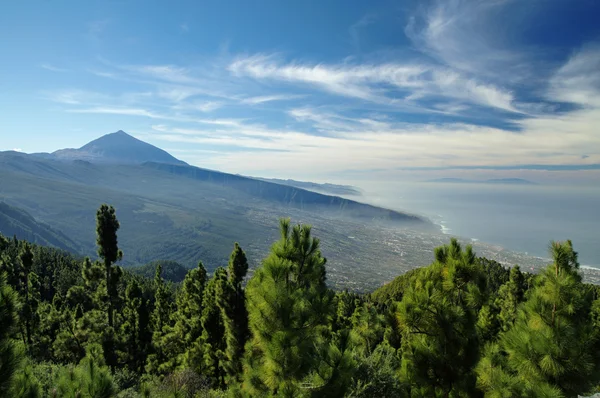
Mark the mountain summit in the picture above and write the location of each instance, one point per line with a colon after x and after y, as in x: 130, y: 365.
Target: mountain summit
x: 117, y: 148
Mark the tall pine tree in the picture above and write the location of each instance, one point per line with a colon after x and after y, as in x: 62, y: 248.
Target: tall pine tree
x: 107, y: 226
x: 235, y: 314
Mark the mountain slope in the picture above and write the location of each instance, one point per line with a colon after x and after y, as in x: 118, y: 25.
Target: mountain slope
x: 187, y: 214
x: 118, y: 148
x: 17, y: 222
x: 293, y: 196
x: 328, y: 189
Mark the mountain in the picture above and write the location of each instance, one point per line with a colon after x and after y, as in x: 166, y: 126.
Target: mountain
x: 116, y: 148
x: 17, y: 222
x: 507, y: 181
x: 332, y: 189
x: 186, y: 214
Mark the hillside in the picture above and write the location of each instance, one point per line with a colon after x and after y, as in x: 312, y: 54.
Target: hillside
x: 327, y: 188
x: 188, y: 214
x: 17, y: 222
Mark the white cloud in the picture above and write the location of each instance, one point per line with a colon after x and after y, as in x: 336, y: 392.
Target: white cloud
x: 127, y: 112
x: 578, y: 81
x: 207, y: 106
x: 469, y: 36
x: 168, y: 73
x: 389, y: 83
x: 269, y: 98
x: 53, y: 68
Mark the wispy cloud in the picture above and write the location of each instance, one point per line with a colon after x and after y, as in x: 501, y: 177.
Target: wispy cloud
x: 356, y: 28
x: 53, y: 68
x: 204, y: 106
x: 269, y: 98
x: 578, y: 81
x: 468, y: 36
x: 389, y: 83
x: 184, y: 27
x: 120, y: 111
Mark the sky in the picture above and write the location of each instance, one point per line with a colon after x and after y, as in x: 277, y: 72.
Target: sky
x: 319, y: 90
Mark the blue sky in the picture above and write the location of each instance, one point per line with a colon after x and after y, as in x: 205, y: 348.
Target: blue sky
x: 318, y: 90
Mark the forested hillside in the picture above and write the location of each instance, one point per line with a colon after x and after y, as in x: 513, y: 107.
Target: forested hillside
x: 463, y: 326
x: 16, y: 221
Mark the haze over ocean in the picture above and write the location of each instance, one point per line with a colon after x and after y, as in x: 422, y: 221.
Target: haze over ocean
x: 519, y: 218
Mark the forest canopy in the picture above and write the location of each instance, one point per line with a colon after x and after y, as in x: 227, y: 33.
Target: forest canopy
x: 462, y: 326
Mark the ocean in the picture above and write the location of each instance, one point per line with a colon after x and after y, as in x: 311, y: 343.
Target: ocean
x: 519, y: 218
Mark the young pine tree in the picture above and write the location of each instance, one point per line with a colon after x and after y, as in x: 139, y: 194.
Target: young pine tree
x: 550, y: 350
x: 289, y: 308
x: 437, y: 315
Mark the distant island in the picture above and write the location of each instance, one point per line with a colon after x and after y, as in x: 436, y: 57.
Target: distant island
x: 506, y: 181
x: 333, y: 189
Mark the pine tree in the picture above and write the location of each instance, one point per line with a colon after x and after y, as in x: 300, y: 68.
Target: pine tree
x: 10, y: 358
x: 234, y: 312
x: 289, y: 306
x: 90, y: 379
x: 136, y: 327
x: 107, y: 226
x: 438, y: 315
x: 188, y: 325
x: 551, y: 347
x: 108, y: 250
x: 207, y: 355
x: 29, y: 292
x: 510, y: 295
x: 162, y: 349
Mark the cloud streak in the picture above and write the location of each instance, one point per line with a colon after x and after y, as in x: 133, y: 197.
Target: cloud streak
x: 53, y: 68
x: 390, y: 83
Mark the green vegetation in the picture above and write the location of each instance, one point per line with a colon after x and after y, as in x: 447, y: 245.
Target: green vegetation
x: 462, y: 326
